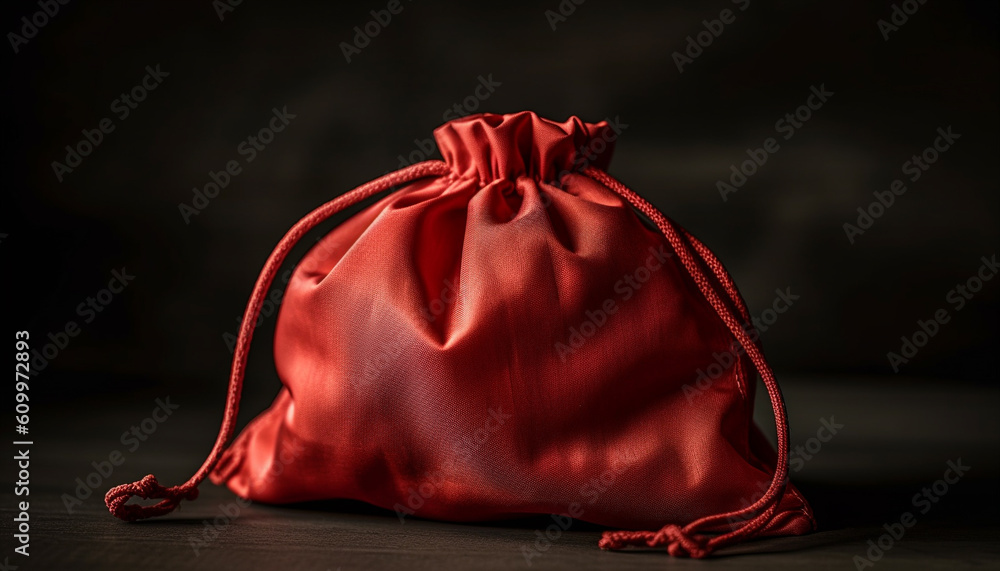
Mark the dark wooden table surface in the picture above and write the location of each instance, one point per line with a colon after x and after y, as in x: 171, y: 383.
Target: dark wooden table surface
x: 897, y: 438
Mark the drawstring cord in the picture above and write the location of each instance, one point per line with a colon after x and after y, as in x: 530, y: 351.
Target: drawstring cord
x: 148, y: 488
x: 680, y: 541
x: 687, y: 540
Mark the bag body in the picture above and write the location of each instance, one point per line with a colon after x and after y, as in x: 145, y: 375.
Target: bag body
x: 504, y: 336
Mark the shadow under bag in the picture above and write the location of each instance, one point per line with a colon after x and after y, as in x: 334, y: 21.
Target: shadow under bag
x: 500, y: 336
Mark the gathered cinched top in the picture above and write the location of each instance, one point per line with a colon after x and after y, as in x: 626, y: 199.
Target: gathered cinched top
x: 523, y: 144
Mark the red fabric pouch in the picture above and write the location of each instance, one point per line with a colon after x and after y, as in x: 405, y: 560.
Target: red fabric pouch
x: 500, y: 336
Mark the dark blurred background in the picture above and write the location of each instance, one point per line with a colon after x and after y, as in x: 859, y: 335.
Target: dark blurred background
x: 222, y: 69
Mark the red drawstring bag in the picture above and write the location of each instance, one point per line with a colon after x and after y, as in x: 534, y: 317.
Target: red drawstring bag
x: 503, y: 336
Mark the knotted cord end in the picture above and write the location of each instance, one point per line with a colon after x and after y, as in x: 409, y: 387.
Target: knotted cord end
x: 117, y: 499
x: 679, y: 543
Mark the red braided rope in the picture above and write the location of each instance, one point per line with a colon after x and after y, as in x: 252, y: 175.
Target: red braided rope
x: 686, y: 541
x: 117, y: 498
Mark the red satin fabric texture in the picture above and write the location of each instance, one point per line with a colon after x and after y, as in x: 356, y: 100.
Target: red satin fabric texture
x: 507, y: 339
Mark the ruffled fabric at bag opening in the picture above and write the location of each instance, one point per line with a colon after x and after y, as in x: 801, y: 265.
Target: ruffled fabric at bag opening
x: 496, y: 147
